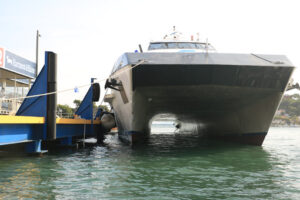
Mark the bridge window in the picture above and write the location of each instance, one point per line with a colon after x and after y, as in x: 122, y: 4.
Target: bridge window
x: 154, y: 46
x: 178, y: 45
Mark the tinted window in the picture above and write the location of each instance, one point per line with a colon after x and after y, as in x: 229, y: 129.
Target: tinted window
x: 172, y: 45
x: 154, y: 46
x: 178, y: 45
x: 186, y: 46
x: 200, y: 46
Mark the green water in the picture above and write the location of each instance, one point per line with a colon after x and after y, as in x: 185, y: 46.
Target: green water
x: 168, y: 166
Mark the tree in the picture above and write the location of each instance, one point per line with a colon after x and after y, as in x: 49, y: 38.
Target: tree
x: 291, y: 105
x: 64, y: 110
x: 77, y: 103
x: 104, y: 108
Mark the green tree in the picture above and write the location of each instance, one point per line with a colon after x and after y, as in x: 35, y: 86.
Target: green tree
x: 64, y: 110
x: 291, y: 105
x: 104, y: 108
x: 77, y: 103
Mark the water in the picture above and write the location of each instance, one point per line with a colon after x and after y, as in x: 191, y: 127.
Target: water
x: 168, y: 166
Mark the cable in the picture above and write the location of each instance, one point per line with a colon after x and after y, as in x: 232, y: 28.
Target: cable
x: 70, y: 89
x: 103, y: 97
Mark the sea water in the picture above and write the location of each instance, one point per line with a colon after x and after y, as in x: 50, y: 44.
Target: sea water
x: 167, y: 166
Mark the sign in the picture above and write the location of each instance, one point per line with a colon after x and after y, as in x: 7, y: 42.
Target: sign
x: 1, y: 57
x: 19, y: 65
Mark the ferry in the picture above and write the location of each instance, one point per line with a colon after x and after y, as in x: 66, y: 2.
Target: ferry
x: 227, y: 96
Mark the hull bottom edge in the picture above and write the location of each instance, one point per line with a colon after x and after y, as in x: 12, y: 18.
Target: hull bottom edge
x: 255, y: 139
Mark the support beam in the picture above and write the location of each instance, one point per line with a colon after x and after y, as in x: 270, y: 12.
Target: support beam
x: 35, y: 147
x: 66, y: 141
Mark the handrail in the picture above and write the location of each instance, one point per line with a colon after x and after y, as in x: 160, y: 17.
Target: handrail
x: 293, y: 86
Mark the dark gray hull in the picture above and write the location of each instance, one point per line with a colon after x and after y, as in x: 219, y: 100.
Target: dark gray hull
x: 230, y: 101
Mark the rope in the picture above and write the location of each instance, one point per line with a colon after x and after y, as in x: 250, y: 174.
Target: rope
x: 70, y: 89
x: 103, y: 96
x: 273, y: 62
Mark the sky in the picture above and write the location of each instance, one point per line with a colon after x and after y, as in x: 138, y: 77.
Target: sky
x: 88, y: 36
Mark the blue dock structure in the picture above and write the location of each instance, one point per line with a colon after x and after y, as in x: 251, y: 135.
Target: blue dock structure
x: 36, y: 122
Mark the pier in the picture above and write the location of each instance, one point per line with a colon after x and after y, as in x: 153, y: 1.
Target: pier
x: 36, y: 123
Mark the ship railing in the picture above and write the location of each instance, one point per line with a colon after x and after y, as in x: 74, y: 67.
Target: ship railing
x: 293, y: 86
x: 64, y: 115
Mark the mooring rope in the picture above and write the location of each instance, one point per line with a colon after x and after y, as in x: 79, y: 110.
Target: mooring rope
x: 103, y: 97
x: 81, y: 86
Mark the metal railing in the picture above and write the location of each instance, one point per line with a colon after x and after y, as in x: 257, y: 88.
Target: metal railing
x: 9, y: 107
x: 64, y: 115
x: 293, y: 86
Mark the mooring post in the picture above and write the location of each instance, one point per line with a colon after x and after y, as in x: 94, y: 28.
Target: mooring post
x: 51, y: 98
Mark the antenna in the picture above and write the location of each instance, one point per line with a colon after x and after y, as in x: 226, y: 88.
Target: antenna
x: 38, y: 35
x: 141, y: 49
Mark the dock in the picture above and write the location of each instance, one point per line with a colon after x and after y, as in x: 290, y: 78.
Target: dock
x: 36, y: 121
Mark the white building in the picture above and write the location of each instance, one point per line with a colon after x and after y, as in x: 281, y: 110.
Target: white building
x: 16, y: 74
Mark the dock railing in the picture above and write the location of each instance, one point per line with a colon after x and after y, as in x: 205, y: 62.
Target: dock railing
x: 9, y: 107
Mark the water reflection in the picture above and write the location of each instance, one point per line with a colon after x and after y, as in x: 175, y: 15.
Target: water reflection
x: 22, y: 178
x: 208, y: 168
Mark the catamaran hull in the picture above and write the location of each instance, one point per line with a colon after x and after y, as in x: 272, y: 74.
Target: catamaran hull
x: 228, y: 102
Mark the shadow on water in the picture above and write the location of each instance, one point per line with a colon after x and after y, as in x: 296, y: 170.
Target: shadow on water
x: 167, y: 166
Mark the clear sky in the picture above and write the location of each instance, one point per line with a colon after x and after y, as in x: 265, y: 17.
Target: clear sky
x: 90, y: 35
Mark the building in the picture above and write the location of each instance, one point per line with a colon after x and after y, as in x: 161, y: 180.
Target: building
x: 16, y: 74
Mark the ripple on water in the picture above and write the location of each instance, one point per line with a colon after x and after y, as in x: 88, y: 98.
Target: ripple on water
x: 168, y: 166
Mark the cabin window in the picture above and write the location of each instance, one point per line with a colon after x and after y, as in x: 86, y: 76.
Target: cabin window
x: 178, y: 45
x: 154, y: 46
x: 200, y: 46
x: 187, y: 45
x: 172, y: 45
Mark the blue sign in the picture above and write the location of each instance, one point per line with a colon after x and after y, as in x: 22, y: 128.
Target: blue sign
x: 19, y: 65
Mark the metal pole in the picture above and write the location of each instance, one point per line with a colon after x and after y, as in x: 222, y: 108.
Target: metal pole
x: 83, y: 141
x: 14, y: 102
x: 92, y: 119
x: 141, y: 49
x: 37, y: 52
x: 15, y: 86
